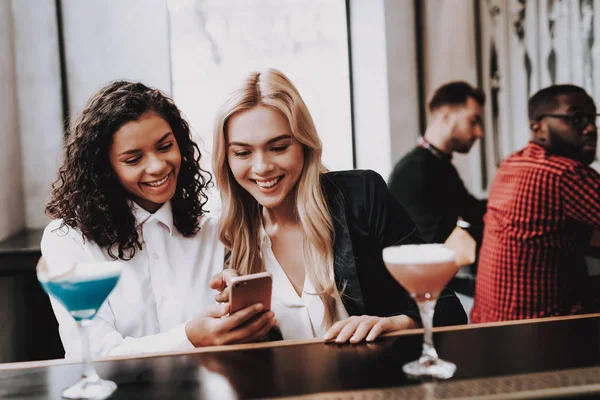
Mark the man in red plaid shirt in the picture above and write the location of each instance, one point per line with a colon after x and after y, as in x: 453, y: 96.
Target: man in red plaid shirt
x: 543, y: 208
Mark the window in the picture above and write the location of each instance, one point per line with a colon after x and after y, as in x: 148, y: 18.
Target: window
x: 215, y: 43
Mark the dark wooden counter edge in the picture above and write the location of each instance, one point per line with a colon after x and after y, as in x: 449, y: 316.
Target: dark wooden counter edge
x: 49, y: 363
x: 524, y: 394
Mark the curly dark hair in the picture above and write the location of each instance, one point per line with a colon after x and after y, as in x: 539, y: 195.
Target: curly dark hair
x: 88, y: 196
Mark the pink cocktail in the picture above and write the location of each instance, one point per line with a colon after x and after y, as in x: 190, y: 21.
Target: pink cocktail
x: 424, y: 270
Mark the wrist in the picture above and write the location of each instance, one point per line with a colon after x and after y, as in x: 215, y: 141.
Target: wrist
x: 401, y: 322
x: 191, y: 333
x: 188, y: 333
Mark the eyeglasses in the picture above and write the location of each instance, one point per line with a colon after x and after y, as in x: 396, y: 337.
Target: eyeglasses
x: 578, y: 121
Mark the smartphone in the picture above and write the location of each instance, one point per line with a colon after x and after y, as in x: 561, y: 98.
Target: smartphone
x: 250, y: 289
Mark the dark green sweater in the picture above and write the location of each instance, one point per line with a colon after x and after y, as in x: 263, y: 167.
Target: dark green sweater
x: 434, y: 196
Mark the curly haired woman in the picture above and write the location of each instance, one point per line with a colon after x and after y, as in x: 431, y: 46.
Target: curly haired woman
x: 131, y: 188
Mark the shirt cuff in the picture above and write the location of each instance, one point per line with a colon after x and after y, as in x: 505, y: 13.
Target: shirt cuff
x: 179, y: 339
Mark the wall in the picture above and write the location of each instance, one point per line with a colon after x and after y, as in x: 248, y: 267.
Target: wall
x: 449, y: 53
x: 104, y: 41
x: 385, y: 76
x: 11, y: 188
x: 40, y: 102
x: 536, y: 44
x: 114, y: 39
x: 403, y: 99
x: 384, y: 79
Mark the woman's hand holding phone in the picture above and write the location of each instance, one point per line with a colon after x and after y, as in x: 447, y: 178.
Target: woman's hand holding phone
x: 244, y: 326
x: 242, y: 291
x: 220, y: 282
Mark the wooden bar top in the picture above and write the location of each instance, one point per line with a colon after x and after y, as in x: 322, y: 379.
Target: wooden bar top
x: 532, y: 354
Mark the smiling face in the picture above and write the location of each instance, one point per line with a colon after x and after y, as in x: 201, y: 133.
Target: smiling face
x: 263, y: 156
x: 146, y: 159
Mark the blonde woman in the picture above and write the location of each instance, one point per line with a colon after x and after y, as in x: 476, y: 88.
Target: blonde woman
x: 320, y: 234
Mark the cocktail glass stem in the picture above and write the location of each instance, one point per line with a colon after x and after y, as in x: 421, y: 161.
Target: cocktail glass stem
x: 429, y: 364
x: 90, y: 386
x: 89, y: 372
x: 426, y: 309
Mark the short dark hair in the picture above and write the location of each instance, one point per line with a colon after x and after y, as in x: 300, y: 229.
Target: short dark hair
x: 455, y: 94
x: 546, y: 100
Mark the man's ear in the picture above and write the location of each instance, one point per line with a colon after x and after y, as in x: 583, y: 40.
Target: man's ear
x: 448, y: 117
x: 444, y: 114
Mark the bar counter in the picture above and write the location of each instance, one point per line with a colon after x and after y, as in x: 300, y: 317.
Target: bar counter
x: 544, y: 358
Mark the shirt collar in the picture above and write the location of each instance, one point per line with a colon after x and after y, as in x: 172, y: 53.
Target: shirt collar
x: 164, y: 215
x: 424, y: 144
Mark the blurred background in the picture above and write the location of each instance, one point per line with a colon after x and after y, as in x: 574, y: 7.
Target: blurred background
x: 364, y: 67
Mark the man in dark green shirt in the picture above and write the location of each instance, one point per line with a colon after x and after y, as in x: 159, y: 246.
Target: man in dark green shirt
x: 426, y: 182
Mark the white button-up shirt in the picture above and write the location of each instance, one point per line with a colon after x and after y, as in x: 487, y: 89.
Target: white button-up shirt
x: 159, y: 291
x: 298, y: 317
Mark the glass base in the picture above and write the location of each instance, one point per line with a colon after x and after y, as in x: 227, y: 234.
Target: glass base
x: 84, y: 389
x: 438, y: 369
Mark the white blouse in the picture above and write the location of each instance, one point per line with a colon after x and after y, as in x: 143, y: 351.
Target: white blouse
x: 298, y: 317
x: 160, y: 290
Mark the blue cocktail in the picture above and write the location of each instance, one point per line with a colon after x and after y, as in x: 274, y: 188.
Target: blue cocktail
x: 82, y: 290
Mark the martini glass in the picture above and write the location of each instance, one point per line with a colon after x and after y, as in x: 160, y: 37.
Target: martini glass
x: 424, y: 270
x: 82, y: 290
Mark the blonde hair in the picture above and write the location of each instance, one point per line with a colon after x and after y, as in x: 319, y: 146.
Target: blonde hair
x: 241, y: 219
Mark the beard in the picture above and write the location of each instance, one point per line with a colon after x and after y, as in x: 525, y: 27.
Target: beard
x: 560, y: 147
x: 461, y: 146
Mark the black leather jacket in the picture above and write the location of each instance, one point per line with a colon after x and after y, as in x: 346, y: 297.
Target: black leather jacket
x: 367, y: 218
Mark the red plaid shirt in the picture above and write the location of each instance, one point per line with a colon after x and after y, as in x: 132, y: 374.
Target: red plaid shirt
x: 541, y: 212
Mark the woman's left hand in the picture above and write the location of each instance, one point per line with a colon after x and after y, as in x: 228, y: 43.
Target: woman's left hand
x: 356, y: 329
